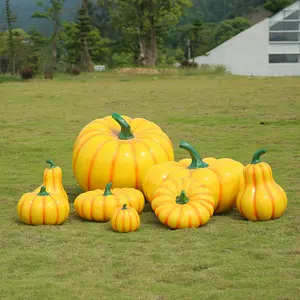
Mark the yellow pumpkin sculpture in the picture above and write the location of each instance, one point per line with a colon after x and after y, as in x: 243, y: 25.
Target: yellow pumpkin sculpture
x: 157, y: 174
x: 52, y: 180
x: 98, y: 205
x: 120, y: 150
x: 260, y: 197
x: 125, y: 219
x: 183, y: 203
x: 42, y: 208
x: 221, y: 178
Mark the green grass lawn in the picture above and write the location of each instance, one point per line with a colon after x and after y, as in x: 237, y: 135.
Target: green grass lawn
x: 220, y: 115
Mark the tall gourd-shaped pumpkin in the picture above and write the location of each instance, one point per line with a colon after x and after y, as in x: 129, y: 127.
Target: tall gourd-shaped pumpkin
x: 119, y: 150
x: 52, y: 180
x: 260, y: 197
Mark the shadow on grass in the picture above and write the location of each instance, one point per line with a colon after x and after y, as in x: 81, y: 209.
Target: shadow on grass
x: 235, y: 215
x: 73, y: 192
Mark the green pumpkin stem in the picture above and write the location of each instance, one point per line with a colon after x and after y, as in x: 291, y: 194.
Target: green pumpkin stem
x: 257, y: 155
x: 50, y: 162
x: 43, y: 192
x: 197, y: 162
x: 107, y: 190
x: 126, y: 132
x: 124, y: 207
x: 182, y: 198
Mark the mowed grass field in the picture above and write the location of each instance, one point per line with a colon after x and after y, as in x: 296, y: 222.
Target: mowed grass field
x: 229, y: 258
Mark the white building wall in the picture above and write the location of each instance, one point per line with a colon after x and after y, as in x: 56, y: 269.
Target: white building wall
x: 244, y: 54
x: 248, y: 52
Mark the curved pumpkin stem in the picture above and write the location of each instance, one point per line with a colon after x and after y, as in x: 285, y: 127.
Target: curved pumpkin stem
x: 124, y: 207
x: 50, y: 161
x: 126, y: 132
x: 257, y: 155
x: 182, y: 198
x: 197, y: 162
x: 107, y: 190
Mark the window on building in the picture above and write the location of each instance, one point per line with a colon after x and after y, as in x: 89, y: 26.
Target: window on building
x: 292, y: 15
x: 284, y: 25
x: 283, y: 58
x: 283, y: 37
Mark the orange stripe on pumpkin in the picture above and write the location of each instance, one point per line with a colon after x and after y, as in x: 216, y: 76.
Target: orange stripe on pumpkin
x: 242, y: 196
x: 92, y: 204
x: 137, y: 126
x: 130, y: 220
x: 89, y: 174
x: 149, y: 149
x: 57, y: 210
x: 220, y: 187
x: 160, y: 144
x: 179, y: 216
x: 104, y: 207
x: 205, y: 202
x: 116, y: 220
x: 254, y: 192
x: 123, y: 221
x: 82, y: 204
x: 268, y: 190
x: 136, y: 168
x: 21, y: 207
x: 30, y: 210
x: 113, y: 163
x: 169, y: 214
x: 54, y: 179
x: 81, y: 146
x: 277, y: 186
x: 196, y: 213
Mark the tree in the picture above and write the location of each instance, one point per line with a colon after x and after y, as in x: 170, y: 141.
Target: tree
x: 144, y: 19
x: 275, y: 6
x: 193, y: 31
x: 10, y: 19
x: 229, y: 28
x: 84, y: 27
x: 52, y: 14
x: 70, y: 44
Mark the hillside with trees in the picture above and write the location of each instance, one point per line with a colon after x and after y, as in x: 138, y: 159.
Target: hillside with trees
x: 65, y: 34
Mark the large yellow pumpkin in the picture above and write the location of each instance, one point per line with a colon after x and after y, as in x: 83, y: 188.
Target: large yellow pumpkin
x: 260, y: 197
x: 120, y: 150
x: 43, y: 208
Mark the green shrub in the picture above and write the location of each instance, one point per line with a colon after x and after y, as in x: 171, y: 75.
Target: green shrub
x: 8, y: 78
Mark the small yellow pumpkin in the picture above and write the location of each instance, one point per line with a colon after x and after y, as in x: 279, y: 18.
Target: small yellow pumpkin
x: 98, y: 205
x: 260, y: 197
x: 125, y: 219
x: 183, y: 203
x: 42, y: 208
